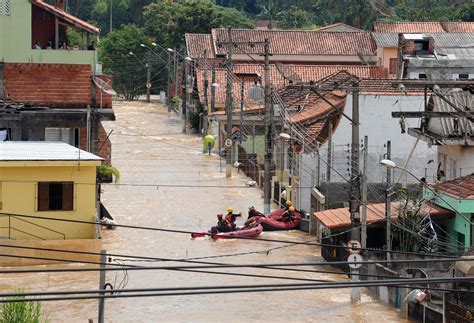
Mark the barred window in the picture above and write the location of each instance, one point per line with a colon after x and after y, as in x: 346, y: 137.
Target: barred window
x: 5, y: 8
x: 55, y: 196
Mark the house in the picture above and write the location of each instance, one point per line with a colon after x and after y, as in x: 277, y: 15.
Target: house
x: 48, y: 92
x: 422, y: 26
x: 287, y: 46
x: 457, y: 195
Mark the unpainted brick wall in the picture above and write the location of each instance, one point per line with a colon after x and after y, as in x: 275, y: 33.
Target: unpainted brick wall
x: 103, y: 144
x: 55, y: 85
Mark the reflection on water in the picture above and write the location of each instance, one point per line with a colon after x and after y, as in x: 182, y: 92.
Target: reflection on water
x: 149, y: 148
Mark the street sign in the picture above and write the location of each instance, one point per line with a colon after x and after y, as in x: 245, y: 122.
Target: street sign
x: 228, y: 143
x: 356, y: 260
x: 354, y: 246
x: 148, y: 85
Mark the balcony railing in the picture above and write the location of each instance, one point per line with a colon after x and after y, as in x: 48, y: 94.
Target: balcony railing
x: 12, y: 229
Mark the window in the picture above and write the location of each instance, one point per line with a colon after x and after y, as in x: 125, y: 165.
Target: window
x: 463, y: 76
x: 5, y: 8
x: 421, y: 45
x: 422, y: 76
x: 55, y: 196
x: 392, y: 69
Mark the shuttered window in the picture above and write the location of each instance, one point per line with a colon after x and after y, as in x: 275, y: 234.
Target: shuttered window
x: 5, y: 8
x: 55, y: 196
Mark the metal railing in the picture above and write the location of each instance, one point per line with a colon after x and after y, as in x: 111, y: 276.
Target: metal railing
x: 12, y: 229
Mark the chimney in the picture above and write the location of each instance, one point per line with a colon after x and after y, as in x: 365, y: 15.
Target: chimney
x: 59, y: 4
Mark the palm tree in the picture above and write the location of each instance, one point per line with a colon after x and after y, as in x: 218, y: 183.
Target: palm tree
x: 270, y: 11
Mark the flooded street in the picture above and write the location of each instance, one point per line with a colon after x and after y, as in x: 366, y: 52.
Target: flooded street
x: 167, y: 182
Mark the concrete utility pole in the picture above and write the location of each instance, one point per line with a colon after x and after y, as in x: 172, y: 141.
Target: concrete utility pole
x: 205, y: 110
x: 103, y: 260
x: 329, y: 161
x: 175, y: 65
x: 111, y: 7
x: 241, y: 109
x: 267, y: 179
x: 388, y: 202
x: 355, y: 173
x: 168, y: 95
x: 148, y: 79
x: 228, y: 104
x: 213, y: 88
x: 363, y: 238
x: 184, y: 95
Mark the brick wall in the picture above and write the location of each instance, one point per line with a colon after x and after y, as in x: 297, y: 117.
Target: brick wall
x: 53, y: 85
x: 103, y: 144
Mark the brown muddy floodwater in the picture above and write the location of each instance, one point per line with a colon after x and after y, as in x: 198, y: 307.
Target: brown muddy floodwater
x: 149, y: 148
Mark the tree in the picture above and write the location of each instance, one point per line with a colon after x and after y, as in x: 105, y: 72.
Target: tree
x: 270, y: 11
x: 294, y: 18
x: 167, y: 22
x: 128, y: 70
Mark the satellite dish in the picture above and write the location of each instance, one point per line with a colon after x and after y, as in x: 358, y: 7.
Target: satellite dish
x: 382, y: 8
x: 103, y: 86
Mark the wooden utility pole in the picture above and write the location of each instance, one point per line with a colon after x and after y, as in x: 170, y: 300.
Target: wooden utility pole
x: 329, y: 161
x: 363, y: 238
x: 267, y: 179
x: 228, y: 104
x: 355, y: 173
x: 388, y: 202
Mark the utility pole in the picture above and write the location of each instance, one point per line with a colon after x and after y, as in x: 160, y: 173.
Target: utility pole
x: 388, y: 208
x: 228, y: 104
x: 329, y: 161
x: 184, y: 95
x: 364, y: 194
x: 148, y: 79
x: 213, y: 88
x: 175, y: 63
x: 241, y: 109
x: 355, y: 173
x: 168, y: 95
x: 103, y: 260
x: 111, y: 7
x: 267, y: 184
x: 206, y: 105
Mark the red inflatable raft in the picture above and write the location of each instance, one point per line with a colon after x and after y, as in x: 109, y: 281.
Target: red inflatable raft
x: 244, y: 233
x: 270, y: 221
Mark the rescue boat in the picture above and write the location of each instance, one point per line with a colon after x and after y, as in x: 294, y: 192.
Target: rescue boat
x: 245, y: 232
x: 270, y: 221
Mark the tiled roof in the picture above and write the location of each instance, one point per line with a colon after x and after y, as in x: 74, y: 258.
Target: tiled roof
x: 197, y: 44
x: 42, y: 151
x: 299, y: 42
x: 407, y: 27
x: 67, y: 17
x: 338, y: 27
x: 461, y: 188
x: 423, y: 27
x: 340, y: 218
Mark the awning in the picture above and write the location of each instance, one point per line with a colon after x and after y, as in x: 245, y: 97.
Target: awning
x: 61, y: 14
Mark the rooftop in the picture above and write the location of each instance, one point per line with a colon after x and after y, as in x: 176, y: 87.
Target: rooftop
x: 340, y: 218
x: 43, y: 151
x: 461, y: 188
x: 441, y: 39
x: 422, y: 27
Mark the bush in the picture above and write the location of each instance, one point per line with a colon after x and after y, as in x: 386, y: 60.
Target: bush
x: 107, y: 171
x: 21, y: 311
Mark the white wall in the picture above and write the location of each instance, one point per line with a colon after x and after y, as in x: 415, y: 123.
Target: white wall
x: 377, y: 123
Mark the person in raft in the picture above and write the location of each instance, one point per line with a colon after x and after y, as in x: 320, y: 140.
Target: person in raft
x: 230, y: 218
x: 253, y: 212
x: 288, y: 204
x: 288, y: 215
x: 222, y: 225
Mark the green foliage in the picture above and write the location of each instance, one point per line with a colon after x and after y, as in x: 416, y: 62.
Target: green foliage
x: 21, y: 311
x: 128, y: 71
x: 167, y: 22
x: 294, y: 18
x: 74, y: 38
x: 194, y: 117
x: 108, y: 170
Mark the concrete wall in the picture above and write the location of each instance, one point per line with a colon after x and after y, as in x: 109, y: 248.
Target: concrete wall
x: 20, y: 193
x: 384, y: 55
x: 456, y: 161
x: 81, y: 245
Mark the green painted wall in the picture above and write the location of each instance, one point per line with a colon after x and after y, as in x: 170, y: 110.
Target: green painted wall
x: 259, y: 144
x: 15, y: 41
x: 461, y: 222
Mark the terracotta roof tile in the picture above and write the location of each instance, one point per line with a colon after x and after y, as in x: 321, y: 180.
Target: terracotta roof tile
x: 300, y: 42
x: 338, y: 27
x: 340, y: 218
x: 458, y: 26
x: 196, y: 44
x: 66, y: 16
x: 461, y: 188
x: 407, y: 27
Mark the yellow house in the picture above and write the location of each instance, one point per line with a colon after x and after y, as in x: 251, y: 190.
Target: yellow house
x: 47, y: 180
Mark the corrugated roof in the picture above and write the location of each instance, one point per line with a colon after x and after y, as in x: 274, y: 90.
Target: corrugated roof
x: 461, y: 188
x: 42, y: 151
x: 441, y: 40
x: 340, y: 218
x: 384, y: 40
x: 197, y: 44
x: 66, y: 16
x: 299, y: 42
